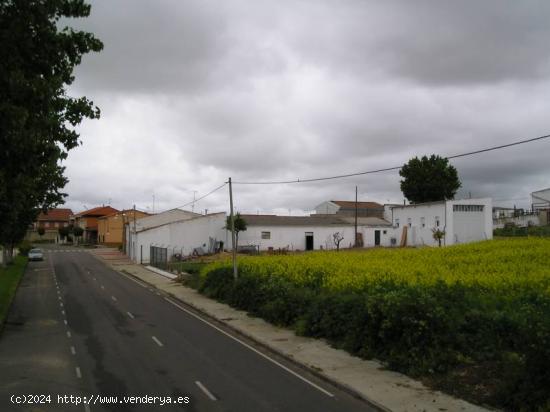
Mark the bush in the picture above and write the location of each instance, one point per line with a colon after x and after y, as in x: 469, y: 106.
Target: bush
x: 24, y: 247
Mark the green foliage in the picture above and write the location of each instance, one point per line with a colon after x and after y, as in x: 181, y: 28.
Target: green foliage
x: 515, y: 231
x: 63, y: 232
x: 9, y: 279
x: 239, y: 225
x: 24, y: 247
x: 78, y: 231
x: 429, y: 179
x: 41, y: 231
x: 427, y: 312
x: 37, y: 117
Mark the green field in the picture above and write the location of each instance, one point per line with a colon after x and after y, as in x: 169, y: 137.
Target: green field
x: 9, y: 279
x: 471, y: 319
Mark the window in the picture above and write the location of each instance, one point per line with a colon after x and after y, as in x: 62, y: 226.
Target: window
x: 467, y: 208
x: 437, y: 221
x: 384, y: 232
x: 423, y: 221
x: 396, y: 222
x: 409, y: 222
x: 266, y: 235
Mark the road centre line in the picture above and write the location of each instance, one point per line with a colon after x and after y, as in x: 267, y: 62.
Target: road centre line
x: 158, y: 342
x: 73, y: 350
x: 114, y: 298
x: 206, y: 391
x: 251, y: 348
x: 78, y: 373
x: 130, y: 315
x: 68, y: 334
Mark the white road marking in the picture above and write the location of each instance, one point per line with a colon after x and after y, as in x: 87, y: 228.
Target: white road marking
x: 102, y: 287
x: 63, y: 312
x: 61, y: 304
x: 95, y: 278
x: 68, y: 334
x: 65, y: 321
x: 251, y: 348
x: 134, y: 280
x: 78, y: 373
x: 86, y: 408
x: 73, y: 350
x: 206, y: 391
x: 158, y: 293
x: 158, y: 342
x: 114, y: 298
x: 130, y: 315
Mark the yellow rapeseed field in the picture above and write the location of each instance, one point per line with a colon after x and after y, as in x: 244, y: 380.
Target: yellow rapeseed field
x: 492, y: 264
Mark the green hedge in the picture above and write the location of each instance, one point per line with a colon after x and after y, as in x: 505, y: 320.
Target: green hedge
x: 9, y: 280
x: 419, y: 330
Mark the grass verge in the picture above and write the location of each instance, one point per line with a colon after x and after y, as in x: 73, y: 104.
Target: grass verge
x: 9, y: 280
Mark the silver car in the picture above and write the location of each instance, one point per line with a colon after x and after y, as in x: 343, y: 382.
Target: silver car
x: 36, y: 254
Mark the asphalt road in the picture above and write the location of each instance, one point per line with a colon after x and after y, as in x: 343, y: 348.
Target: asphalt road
x: 79, y: 328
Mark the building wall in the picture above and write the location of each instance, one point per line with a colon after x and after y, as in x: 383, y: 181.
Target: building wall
x: 327, y: 208
x: 294, y: 237
x: 110, y: 229
x: 178, y: 237
x: 459, y: 226
x: 541, y: 199
x: 530, y: 219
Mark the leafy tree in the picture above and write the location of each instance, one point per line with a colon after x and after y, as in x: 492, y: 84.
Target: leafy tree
x: 240, y: 226
x: 429, y: 179
x: 77, y: 232
x: 63, y: 232
x: 37, y: 116
x: 438, y: 234
x: 41, y: 231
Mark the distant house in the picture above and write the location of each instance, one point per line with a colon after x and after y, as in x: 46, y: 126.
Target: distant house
x: 271, y: 232
x: 88, y: 221
x: 463, y: 221
x: 50, y: 221
x: 540, y: 203
x: 110, y: 228
x: 347, y: 208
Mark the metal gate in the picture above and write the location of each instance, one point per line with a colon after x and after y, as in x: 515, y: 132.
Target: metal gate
x: 159, y: 257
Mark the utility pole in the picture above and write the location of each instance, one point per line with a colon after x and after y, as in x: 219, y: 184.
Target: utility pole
x: 233, y: 240
x: 356, y: 217
x: 134, y: 237
x: 194, y: 197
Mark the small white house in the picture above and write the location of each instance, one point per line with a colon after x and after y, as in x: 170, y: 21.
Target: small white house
x: 312, y: 232
x: 177, y: 237
x: 540, y: 200
x: 463, y: 221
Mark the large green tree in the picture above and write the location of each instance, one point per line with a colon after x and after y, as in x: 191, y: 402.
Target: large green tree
x: 429, y: 179
x: 37, y: 116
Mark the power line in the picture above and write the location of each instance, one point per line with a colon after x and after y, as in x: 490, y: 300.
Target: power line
x: 318, y: 179
x: 200, y: 198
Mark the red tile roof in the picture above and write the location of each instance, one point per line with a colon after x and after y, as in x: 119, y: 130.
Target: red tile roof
x: 97, y: 211
x: 56, y: 215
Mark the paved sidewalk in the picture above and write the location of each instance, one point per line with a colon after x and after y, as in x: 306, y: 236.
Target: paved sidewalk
x: 389, y: 390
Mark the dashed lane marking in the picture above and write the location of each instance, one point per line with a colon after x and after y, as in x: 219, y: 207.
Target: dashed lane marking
x: 130, y: 315
x: 206, y: 391
x: 158, y: 342
x: 246, y: 345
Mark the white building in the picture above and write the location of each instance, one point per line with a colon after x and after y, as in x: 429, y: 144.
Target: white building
x: 179, y: 233
x: 312, y: 232
x: 540, y: 202
x: 463, y: 221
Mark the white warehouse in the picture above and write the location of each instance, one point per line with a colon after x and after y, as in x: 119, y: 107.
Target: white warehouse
x: 463, y: 221
x: 312, y: 232
x: 180, y: 236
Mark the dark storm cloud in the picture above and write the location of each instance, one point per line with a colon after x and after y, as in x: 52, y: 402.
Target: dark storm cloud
x: 194, y: 91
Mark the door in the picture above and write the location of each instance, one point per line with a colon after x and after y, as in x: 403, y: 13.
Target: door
x: 376, y: 238
x: 309, y: 240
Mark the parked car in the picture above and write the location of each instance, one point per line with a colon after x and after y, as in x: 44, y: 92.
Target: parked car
x: 36, y: 254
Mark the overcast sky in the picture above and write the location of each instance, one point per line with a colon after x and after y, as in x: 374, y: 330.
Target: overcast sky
x: 192, y: 92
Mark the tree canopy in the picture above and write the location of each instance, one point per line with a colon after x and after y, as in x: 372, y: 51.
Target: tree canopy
x: 37, y: 116
x: 429, y: 179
